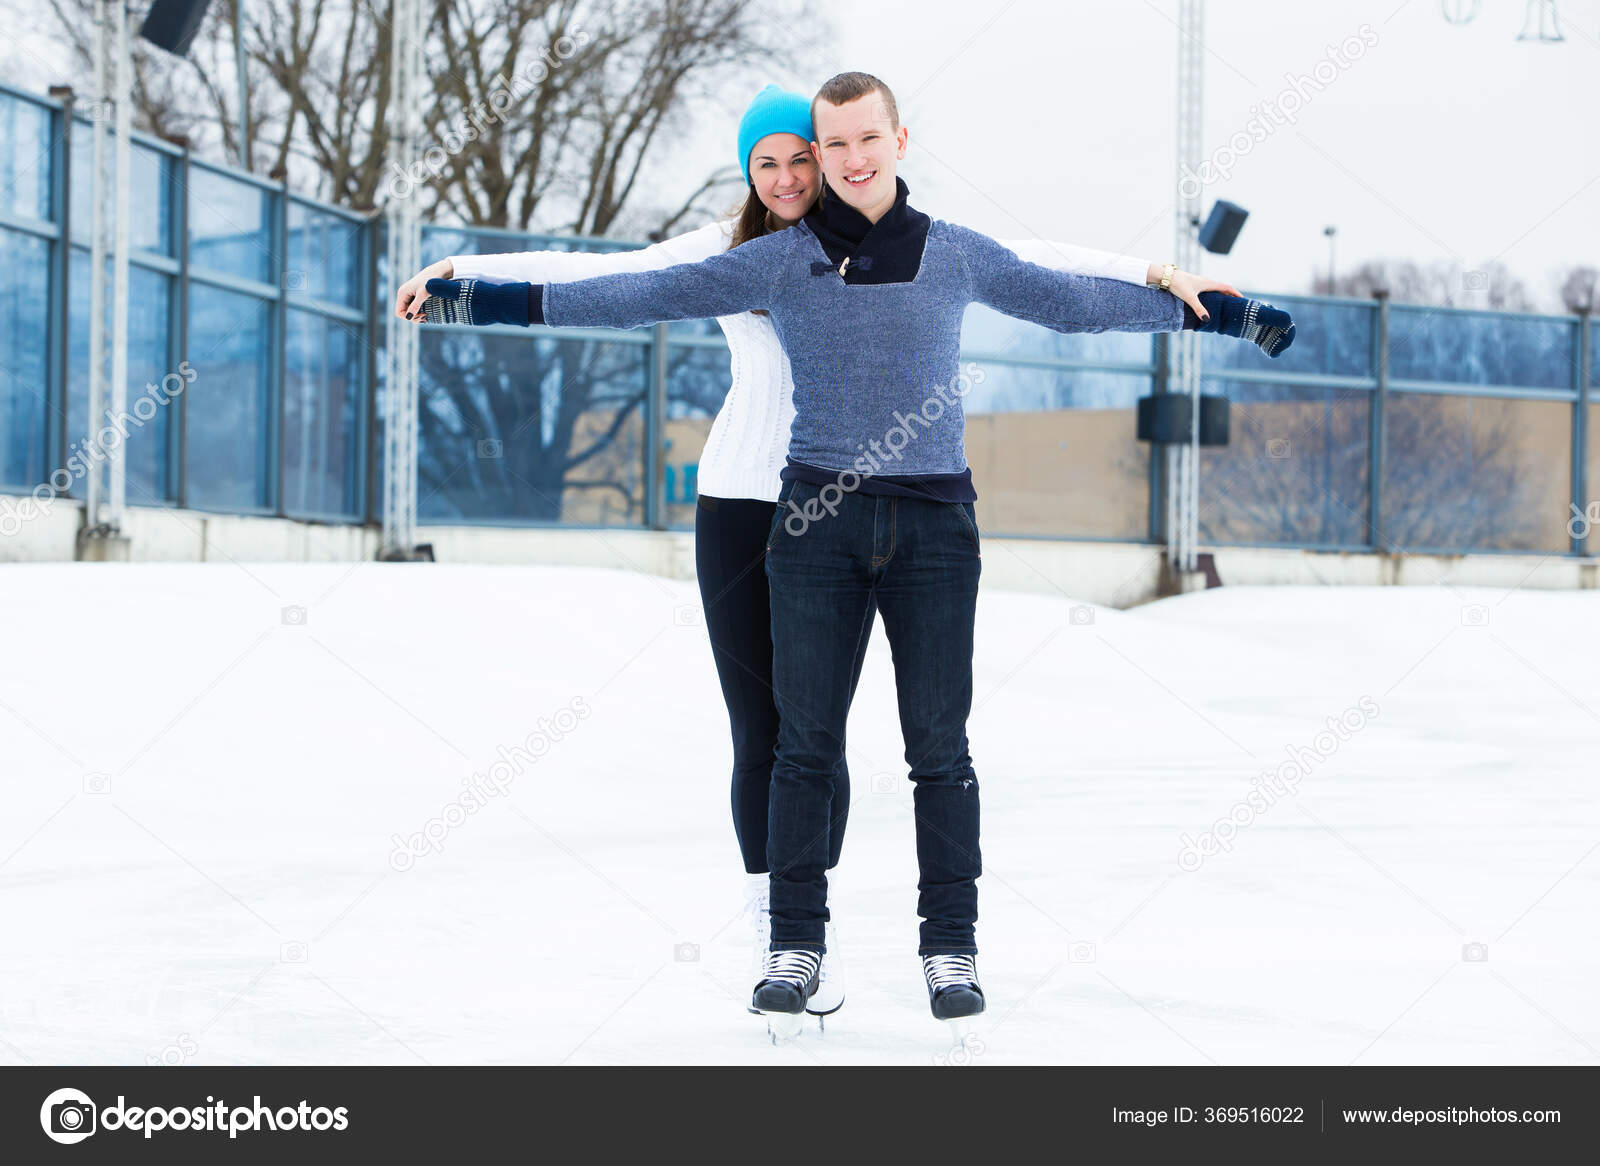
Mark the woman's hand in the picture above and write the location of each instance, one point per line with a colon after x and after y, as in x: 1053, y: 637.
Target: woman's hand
x: 1187, y: 287
x: 408, y: 300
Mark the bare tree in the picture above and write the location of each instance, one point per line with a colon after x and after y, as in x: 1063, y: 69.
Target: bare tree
x: 1579, y: 288
x: 543, y: 114
x: 1442, y: 283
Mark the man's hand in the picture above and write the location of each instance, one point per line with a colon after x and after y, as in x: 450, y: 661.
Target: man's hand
x: 473, y: 302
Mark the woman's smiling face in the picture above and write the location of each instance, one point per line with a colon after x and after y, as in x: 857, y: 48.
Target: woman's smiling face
x: 785, y: 175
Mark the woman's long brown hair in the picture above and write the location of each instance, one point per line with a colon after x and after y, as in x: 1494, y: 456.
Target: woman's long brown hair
x: 753, y: 219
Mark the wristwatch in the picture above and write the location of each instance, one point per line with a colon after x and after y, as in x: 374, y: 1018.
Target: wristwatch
x: 1167, y: 273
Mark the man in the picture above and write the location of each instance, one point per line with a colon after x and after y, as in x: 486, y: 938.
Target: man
x: 867, y: 295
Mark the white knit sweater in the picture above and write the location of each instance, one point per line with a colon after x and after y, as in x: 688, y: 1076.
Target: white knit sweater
x: 750, y: 436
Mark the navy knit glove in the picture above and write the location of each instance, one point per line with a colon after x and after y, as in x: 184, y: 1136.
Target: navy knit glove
x: 1268, y: 328
x: 471, y: 301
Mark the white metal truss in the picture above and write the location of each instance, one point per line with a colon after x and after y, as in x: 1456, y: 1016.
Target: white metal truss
x: 110, y: 91
x: 1183, y: 461
x: 406, y: 97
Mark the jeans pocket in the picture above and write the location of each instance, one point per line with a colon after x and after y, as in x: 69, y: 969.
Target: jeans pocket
x: 969, y: 520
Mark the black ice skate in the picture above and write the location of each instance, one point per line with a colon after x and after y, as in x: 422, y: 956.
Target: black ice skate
x: 954, y: 993
x: 788, y: 981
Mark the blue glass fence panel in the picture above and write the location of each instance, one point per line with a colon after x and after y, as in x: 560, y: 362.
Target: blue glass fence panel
x: 25, y: 158
x: 24, y: 360
x: 1476, y: 348
x: 325, y: 259
x: 149, y: 201
x: 230, y: 406
x: 230, y: 225
x: 322, y: 393
x: 149, y: 420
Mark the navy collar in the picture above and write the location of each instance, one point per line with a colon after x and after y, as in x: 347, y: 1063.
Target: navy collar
x: 888, y: 251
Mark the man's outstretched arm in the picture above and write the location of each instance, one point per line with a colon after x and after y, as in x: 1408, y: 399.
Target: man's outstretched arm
x: 733, y: 281
x: 1078, y: 303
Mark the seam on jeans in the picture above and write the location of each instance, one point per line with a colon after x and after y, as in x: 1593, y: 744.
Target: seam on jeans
x: 894, y: 511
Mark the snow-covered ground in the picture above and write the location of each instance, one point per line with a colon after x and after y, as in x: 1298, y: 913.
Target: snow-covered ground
x: 200, y: 796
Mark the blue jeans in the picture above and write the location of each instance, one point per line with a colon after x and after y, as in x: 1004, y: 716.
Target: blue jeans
x: 919, y: 561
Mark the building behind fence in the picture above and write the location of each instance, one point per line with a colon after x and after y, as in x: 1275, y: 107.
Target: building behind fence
x: 257, y: 319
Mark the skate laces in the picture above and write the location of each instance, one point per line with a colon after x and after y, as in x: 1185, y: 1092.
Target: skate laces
x: 791, y: 967
x: 949, y: 971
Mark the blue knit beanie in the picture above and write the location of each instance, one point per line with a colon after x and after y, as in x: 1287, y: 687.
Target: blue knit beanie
x: 774, y: 111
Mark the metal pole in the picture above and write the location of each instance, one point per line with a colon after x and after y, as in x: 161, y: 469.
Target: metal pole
x: 97, y: 261
x: 117, y: 461
x: 1580, y: 430
x: 1375, y: 422
x: 1184, y: 483
x: 400, y: 431
x: 654, y: 415
x: 244, y: 88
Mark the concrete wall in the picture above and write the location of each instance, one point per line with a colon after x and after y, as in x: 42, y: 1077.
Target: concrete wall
x: 1112, y: 574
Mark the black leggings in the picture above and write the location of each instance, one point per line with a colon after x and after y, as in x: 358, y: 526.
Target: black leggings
x: 730, y: 544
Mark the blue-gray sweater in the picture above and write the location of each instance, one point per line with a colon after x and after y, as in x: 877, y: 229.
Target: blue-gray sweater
x: 875, y: 351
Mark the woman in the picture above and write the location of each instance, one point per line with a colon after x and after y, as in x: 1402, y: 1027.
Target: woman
x: 739, y: 469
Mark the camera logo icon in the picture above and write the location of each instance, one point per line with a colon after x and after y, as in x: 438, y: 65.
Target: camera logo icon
x: 293, y: 952
x: 1475, y: 953
x: 489, y: 447
x: 1081, y: 615
x: 1475, y: 281
x: 1475, y: 615
x: 294, y: 280
x: 687, y: 615
x: 294, y: 615
x: 1080, y: 951
x: 884, y: 783
x: 1278, y: 447
x: 686, y: 953
x: 68, y: 1116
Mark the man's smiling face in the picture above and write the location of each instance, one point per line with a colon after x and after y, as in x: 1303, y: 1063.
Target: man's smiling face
x: 859, y: 145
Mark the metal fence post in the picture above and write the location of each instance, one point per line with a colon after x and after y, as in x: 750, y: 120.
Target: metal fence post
x: 655, y: 410
x: 277, y: 380
x: 1380, y: 399
x: 180, y: 224
x: 59, y: 383
x: 1158, y: 384
x: 1580, y: 433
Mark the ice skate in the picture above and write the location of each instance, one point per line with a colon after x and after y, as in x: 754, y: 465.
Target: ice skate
x: 954, y: 994
x: 829, y: 996
x: 758, y: 916
x: 788, y: 980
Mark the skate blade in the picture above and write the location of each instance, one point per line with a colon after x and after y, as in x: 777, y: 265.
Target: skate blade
x: 961, y: 1030
x: 783, y: 1027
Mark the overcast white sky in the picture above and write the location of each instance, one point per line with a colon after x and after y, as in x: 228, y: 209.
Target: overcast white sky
x: 1056, y: 118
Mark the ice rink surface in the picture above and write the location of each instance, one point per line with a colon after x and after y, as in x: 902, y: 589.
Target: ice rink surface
x: 206, y: 768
